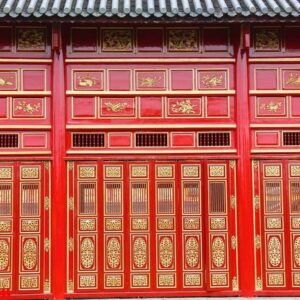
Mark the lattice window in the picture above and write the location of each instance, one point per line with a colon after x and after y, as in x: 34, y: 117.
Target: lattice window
x: 139, y: 198
x: 151, y: 140
x: 191, y: 198
x: 30, y: 199
x: 273, y: 197
x: 165, y: 197
x: 213, y: 139
x: 88, y: 140
x: 291, y: 138
x: 87, y: 198
x: 113, y: 198
x: 5, y: 199
x: 9, y: 140
x: 217, y: 197
x: 295, y: 196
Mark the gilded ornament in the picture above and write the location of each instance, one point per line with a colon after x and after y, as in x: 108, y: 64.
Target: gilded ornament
x: 274, y: 251
x: 166, y: 252
x: 71, y: 203
x: 275, y: 279
x: 212, y: 80
x: 165, y: 224
x: 296, y: 279
x: 70, y: 286
x: 272, y: 171
x: 235, y: 286
x: 232, y: 164
x: 47, y: 164
x: 267, y: 40
x: 47, y: 245
x: 70, y: 165
x: 6, y: 81
x: 255, y: 164
x: 191, y: 223
x: 4, y: 254
x: 31, y: 39
x: 192, y: 251
x: 140, y: 281
x: 46, y: 203
x: 258, y: 284
x: 273, y: 223
x: 30, y: 225
x: 257, y: 242
x: 5, y: 173
x: 191, y: 171
x: 139, y: 252
x: 87, y: 281
x: 117, y: 40
x: 87, y: 172
x: 294, y: 79
x: 184, y: 107
x: 113, y: 281
x: 219, y: 279
x: 87, y: 253
x: 295, y: 223
x: 30, y: 254
x: 27, y: 107
x: 233, y: 242
x: 30, y: 172
x: 113, y: 224
x: 218, y: 252
x: 297, y: 251
x: 139, y: 171
x: 150, y: 81
x: 217, y: 223
x: 164, y: 171
x: 115, y: 106
x: 217, y: 171
x: 87, y: 81
x: 87, y: 224
x: 271, y: 107
x: 233, y: 202
x: 47, y: 286
x: 29, y: 282
x: 192, y: 280
x: 139, y: 224
x: 4, y: 283
x: 166, y: 280
x: 183, y: 40
x: 295, y: 171
x: 113, y: 171
x: 71, y: 244
x: 5, y: 226
x: 256, y: 202
x: 113, y: 253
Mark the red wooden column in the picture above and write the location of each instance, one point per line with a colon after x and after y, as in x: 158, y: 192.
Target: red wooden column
x: 59, y: 171
x: 244, y: 203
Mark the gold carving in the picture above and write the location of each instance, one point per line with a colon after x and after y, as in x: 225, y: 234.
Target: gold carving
x: 257, y: 242
x: 274, y: 251
x: 47, y: 164
x: 296, y: 279
x: 70, y: 165
x: 140, y: 252
x: 139, y: 224
x: 295, y: 171
x: 117, y: 40
x: 272, y: 106
x: 29, y: 282
x: 232, y: 164
x: 4, y: 283
x: 258, y: 284
x: 212, y: 80
x: 272, y: 171
x: 87, y: 224
x: 273, y: 223
x: 113, y: 281
x: 295, y: 223
x: 232, y: 202
x: 47, y: 286
x: 217, y: 171
x: 71, y: 286
x: 256, y: 201
x: 218, y: 252
x: 31, y: 39
x: 191, y: 171
x: 235, y: 286
x: 150, y: 81
x: 267, y: 40
x: 297, y: 250
x: 183, y: 40
x: 113, y: 253
x: 5, y: 226
x: 116, y: 106
x: 47, y: 245
x: 113, y: 172
x: 275, y: 279
x: 165, y: 224
x: 255, y: 164
x: 30, y: 172
x: 87, y: 253
x: 166, y: 252
x: 166, y: 280
x: 4, y: 254
x: 30, y: 225
x: 6, y: 81
x: 191, y: 223
x: 184, y: 107
x: 27, y: 107
x: 113, y: 224
x: 293, y: 79
x: 219, y: 279
x: 5, y: 173
x: 140, y: 281
x: 87, y: 81
x: 164, y: 171
x: 71, y: 203
x: 233, y: 242
x: 139, y: 171
x: 87, y: 172
x: 192, y: 251
x: 47, y: 203
x: 192, y: 280
x: 71, y: 244
x: 30, y: 254
x: 87, y: 281
x: 217, y: 223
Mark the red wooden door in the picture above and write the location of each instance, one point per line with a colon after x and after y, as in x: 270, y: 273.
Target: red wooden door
x: 146, y: 226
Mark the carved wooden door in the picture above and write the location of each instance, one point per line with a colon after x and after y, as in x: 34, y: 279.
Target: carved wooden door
x: 276, y: 193
x: 144, y: 226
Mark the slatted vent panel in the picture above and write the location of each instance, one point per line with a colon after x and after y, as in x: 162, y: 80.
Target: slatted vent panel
x: 87, y: 198
x: 291, y: 138
x: 295, y: 196
x: 217, y: 197
x: 88, y: 140
x: 9, y: 140
x: 213, y: 139
x: 30, y: 196
x: 151, y: 139
x: 273, y: 197
x: 5, y: 199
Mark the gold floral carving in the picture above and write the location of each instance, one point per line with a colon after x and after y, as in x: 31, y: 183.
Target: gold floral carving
x: 139, y: 252
x: 192, y: 280
x: 70, y: 165
x: 139, y: 224
x: 139, y: 171
x: 29, y: 282
x: 30, y: 254
x: 255, y: 164
x: 233, y: 242
x: 183, y: 40
x: 165, y: 171
x: 87, y: 224
x: 256, y: 201
x: 272, y: 171
x: 87, y: 172
x: 4, y: 282
x: 71, y: 203
x: 165, y: 224
x: 113, y: 253
x: 191, y: 223
x: 295, y: 171
x: 258, y: 284
x: 5, y: 173
x: 87, y: 281
x: 117, y: 40
x: 116, y: 106
x: 185, y: 107
x: 87, y: 81
x: 166, y: 252
x: 47, y: 245
x: 217, y: 171
x: 275, y: 279
x: 113, y: 172
x: 192, y: 251
x: 5, y: 226
x: 30, y: 225
x: 212, y: 80
x: 232, y: 164
x: 113, y: 281
x: 113, y: 224
x: 274, y: 251
x: 166, y: 280
x: 257, y: 242
x: 140, y: 281
x: 273, y: 223
x: 297, y: 251
x: 30, y: 172
x: 149, y: 81
x: 6, y: 81
x: 191, y: 171
x: 27, y: 107
x: 71, y: 286
x: 293, y: 79
x: 233, y: 202
x: 296, y: 279
x: 46, y: 203
x: 217, y: 223
x: 267, y: 40
x: 219, y: 279
x: 87, y: 253
x: 218, y: 252
x: 235, y: 286
x: 71, y: 244
x: 31, y: 39
x: 295, y: 223
x: 271, y: 106
x: 4, y: 254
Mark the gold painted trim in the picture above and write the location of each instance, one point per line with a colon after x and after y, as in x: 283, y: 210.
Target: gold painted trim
x: 143, y: 151
x: 275, y: 125
x: 24, y: 152
x: 147, y: 126
x: 275, y: 151
x: 152, y: 93
x: 25, y: 60
x: 278, y: 59
x: 275, y: 92
x: 151, y: 60
x: 25, y: 93
x: 26, y: 127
